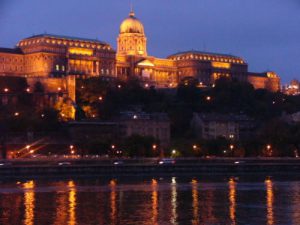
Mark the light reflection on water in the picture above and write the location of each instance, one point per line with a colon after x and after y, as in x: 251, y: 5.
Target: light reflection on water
x: 154, y: 198
x: 195, y: 202
x: 232, y: 200
x: 152, y: 201
x: 173, y: 219
x: 270, y: 201
x: 29, y: 202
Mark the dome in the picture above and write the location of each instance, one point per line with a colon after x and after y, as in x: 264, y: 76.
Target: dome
x: 131, y: 25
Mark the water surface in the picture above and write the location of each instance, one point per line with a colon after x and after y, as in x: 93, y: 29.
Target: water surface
x: 153, y: 201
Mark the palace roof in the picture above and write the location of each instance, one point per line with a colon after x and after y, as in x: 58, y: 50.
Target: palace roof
x: 66, y: 38
x: 202, y: 53
x: 11, y: 50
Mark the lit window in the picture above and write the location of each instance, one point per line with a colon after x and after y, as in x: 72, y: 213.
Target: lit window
x: 57, y: 67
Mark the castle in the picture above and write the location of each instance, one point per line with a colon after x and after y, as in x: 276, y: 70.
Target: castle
x: 56, y: 61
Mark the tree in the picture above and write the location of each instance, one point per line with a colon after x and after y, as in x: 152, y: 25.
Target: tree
x: 139, y: 146
x: 38, y: 87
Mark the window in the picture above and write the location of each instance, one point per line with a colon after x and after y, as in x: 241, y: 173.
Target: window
x: 57, y: 67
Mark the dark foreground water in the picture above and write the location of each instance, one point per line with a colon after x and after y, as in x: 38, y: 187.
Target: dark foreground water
x: 141, y: 201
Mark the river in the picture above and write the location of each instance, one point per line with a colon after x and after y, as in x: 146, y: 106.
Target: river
x: 151, y: 200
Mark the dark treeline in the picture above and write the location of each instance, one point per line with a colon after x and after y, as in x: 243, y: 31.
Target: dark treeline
x: 105, y: 99
x: 227, y: 96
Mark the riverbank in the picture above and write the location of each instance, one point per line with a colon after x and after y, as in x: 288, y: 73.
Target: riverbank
x: 139, y: 167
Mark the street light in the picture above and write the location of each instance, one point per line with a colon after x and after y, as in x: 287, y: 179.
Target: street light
x: 154, y: 147
x: 195, y: 147
x: 72, y: 150
x: 231, y: 147
x: 269, y: 150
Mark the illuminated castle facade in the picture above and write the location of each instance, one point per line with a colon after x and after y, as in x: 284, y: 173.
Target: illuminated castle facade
x: 56, y: 62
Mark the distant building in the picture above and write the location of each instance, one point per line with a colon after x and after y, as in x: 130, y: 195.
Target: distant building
x: 56, y: 61
x: 212, y: 126
x: 292, y: 89
x: 156, y: 125
x: 291, y: 118
x: 92, y: 129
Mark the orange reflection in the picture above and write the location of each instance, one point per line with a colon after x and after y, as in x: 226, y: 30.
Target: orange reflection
x: 232, y: 200
x: 113, y: 205
x: 61, y: 209
x: 174, y: 201
x: 154, y: 202
x: 72, y: 203
x: 29, y: 202
x: 270, y: 201
x: 195, y: 196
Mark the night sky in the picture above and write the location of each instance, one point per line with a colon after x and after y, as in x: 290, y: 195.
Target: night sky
x: 266, y: 33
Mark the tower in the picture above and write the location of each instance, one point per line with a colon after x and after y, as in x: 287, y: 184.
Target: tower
x: 132, y: 39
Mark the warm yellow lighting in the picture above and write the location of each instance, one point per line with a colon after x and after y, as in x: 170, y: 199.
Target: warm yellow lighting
x: 270, y: 201
x: 17, y: 114
x: 72, y: 203
x: 272, y: 75
x: 195, y: 195
x: 174, y: 203
x: 81, y: 51
x: 6, y: 90
x: 221, y: 65
x: 154, y: 202
x: 232, y: 200
x: 29, y: 202
x: 113, y: 202
x: 146, y: 63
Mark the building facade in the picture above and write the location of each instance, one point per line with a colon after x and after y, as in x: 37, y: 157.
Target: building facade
x: 231, y: 127
x: 156, y: 125
x: 292, y: 89
x: 56, y: 62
